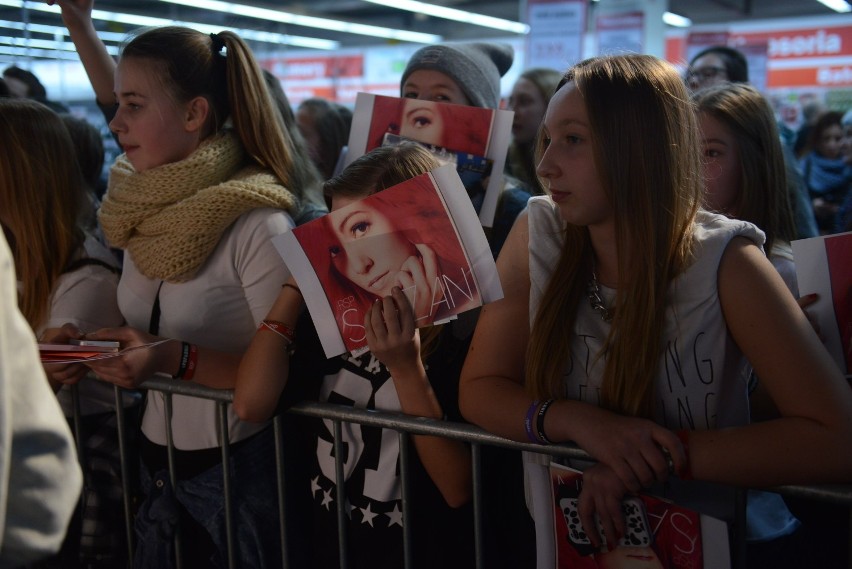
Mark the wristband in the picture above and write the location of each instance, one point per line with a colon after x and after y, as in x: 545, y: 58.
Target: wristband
x: 539, y: 422
x: 528, y: 422
x: 184, y: 361
x: 192, y: 363
x: 279, y: 328
x: 686, y: 472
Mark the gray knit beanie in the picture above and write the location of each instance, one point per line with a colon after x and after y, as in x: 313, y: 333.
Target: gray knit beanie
x: 475, y: 67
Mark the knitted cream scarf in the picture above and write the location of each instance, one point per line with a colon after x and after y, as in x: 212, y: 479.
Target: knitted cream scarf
x: 170, y: 218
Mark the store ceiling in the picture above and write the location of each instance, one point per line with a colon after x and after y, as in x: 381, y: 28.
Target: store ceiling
x: 701, y: 12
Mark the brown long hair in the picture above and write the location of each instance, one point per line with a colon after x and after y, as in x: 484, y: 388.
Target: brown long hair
x: 644, y: 135
x: 378, y: 170
x: 764, y: 197
x: 42, y: 197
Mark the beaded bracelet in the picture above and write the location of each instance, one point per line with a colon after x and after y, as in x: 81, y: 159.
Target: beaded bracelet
x: 528, y: 422
x: 539, y: 423
x: 686, y: 472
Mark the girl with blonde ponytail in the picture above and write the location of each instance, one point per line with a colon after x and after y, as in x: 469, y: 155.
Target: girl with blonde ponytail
x: 644, y: 314
x: 204, y: 183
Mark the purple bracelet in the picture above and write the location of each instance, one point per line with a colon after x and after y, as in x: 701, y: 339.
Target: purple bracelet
x: 540, y: 422
x: 528, y: 423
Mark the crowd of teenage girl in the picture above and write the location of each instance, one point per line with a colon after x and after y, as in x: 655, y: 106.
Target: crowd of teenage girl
x: 640, y: 225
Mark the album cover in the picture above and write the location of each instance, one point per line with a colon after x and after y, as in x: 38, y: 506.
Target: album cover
x: 421, y: 235
x: 461, y: 129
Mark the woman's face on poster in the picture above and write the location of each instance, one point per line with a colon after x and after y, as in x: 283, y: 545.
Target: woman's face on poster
x: 422, y: 121
x: 629, y: 558
x: 370, y: 250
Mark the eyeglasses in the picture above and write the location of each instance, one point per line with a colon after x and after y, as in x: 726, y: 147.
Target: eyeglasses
x: 704, y: 73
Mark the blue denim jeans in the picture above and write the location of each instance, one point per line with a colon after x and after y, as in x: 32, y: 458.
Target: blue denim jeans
x: 255, y: 507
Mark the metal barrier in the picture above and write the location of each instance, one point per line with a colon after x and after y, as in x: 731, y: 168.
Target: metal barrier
x: 406, y: 426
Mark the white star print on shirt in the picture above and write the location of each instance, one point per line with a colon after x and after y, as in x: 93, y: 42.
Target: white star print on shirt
x: 367, y: 515
x: 395, y: 516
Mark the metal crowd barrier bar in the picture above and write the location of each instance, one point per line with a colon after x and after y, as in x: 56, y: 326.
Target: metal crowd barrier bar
x: 278, y: 426
x: 125, y: 472
x: 406, y: 426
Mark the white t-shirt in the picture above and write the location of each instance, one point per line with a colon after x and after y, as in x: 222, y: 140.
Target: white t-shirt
x: 702, y: 381
x: 86, y: 298
x: 219, y: 308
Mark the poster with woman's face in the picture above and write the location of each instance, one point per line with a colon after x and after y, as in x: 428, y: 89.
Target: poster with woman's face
x: 473, y: 136
x: 455, y: 127
x: 401, y: 237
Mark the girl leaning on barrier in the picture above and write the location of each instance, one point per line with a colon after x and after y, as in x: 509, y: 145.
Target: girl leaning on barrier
x: 407, y: 370
x: 644, y: 313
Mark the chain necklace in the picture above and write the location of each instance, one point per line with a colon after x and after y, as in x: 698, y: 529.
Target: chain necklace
x: 597, y: 303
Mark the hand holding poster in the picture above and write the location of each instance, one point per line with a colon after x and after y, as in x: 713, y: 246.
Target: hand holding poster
x: 422, y: 236
x: 823, y: 266
x: 659, y: 534
x: 484, y: 133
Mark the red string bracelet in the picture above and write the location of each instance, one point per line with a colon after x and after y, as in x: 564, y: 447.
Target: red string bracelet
x: 686, y: 472
x: 279, y: 328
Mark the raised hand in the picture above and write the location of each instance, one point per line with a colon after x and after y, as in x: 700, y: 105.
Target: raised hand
x: 74, y: 12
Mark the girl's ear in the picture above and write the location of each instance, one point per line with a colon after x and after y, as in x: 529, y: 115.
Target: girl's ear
x: 197, y: 111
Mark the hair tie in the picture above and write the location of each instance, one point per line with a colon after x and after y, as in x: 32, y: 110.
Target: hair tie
x: 218, y: 44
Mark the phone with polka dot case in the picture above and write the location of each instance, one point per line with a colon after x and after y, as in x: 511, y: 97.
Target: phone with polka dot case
x: 638, y: 531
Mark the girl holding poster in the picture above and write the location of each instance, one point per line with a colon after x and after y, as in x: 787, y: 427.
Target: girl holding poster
x: 402, y: 237
x: 409, y: 371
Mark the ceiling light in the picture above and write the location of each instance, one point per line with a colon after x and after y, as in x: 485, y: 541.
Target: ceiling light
x: 307, y: 21
x: 676, y: 20
x: 28, y: 52
x: 453, y: 14
x: 837, y: 5
x: 137, y: 20
x: 56, y: 30
x: 46, y: 44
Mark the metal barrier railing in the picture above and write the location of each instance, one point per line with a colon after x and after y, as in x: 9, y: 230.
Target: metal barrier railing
x: 406, y: 426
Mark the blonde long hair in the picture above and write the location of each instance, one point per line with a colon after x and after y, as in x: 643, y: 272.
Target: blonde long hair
x: 42, y: 197
x: 647, y: 153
